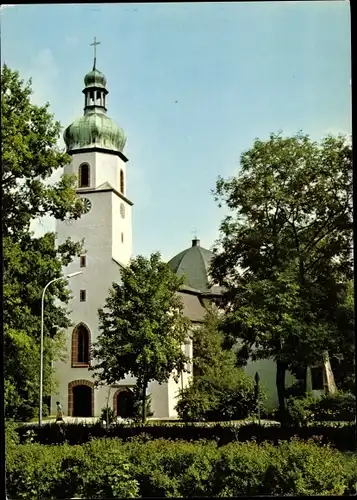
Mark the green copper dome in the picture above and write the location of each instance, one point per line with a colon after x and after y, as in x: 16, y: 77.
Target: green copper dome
x: 194, y: 263
x: 95, y: 128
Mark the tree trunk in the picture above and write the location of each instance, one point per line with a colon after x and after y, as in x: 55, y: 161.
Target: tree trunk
x: 280, y: 385
x: 144, y: 402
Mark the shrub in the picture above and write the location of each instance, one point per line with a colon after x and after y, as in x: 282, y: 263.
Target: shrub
x: 167, y: 469
x: 331, y: 407
x: 341, y: 436
x: 241, y: 469
x: 300, y: 410
x: 339, y: 406
x: 11, y: 436
x: 195, y: 404
x: 109, y: 468
x: 34, y: 471
x: 219, y: 395
x: 305, y: 468
x: 107, y: 415
x: 104, y: 471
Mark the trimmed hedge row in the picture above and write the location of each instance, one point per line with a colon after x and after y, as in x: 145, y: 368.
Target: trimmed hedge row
x: 340, y: 436
x: 109, y: 468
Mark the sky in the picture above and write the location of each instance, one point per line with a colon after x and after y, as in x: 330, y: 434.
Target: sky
x: 192, y: 85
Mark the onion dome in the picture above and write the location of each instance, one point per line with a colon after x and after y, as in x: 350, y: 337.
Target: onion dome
x: 95, y: 78
x: 94, y: 129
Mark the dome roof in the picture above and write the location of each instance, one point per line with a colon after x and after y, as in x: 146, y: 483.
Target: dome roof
x: 194, y: 263
x: 94, y: 129
x: 95, y: 78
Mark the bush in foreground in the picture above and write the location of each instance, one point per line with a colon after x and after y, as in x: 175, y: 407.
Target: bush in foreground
x: 108, y: 468
x: 331, y: 407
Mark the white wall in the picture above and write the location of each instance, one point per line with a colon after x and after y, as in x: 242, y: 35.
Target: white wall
x: 267, y: 372
x: 104, y: 167
x: 107, y: 169
x: 121, y: 251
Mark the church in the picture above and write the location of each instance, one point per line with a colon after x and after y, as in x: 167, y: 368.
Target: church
x: 96, y: 145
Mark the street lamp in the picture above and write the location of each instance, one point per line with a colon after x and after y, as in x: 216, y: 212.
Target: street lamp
x: 71, y: 275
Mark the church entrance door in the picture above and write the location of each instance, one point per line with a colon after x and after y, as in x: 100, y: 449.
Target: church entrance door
x: 82, y: 401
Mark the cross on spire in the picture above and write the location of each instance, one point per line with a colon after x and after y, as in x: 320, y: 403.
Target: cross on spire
x: 94, y: 45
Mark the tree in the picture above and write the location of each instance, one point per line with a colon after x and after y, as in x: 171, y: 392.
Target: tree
x: 30, y: 155
x: 284, y: 253
x: 209, y: 351
x: 142, y: 327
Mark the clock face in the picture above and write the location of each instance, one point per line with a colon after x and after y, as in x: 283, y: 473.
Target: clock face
x: 122, y: 210
x: 87, y: 205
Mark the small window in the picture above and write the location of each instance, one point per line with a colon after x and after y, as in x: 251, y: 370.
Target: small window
x: 122, y: 237
x: 83, y: 295
x: 317, y: 378
x: 82, y: 261
x: 121, y: 182
x: 83, y: 175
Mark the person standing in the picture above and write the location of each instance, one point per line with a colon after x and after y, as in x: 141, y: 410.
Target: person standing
x: 59, y: 416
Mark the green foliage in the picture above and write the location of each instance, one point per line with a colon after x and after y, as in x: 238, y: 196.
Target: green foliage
x: 107, y: 415
x: 339, y: 406
x: 111, y: 469
x: 224, y: 393
x: 104, y: 472
x: 30, y: 156
x: 142, y: 326
x: 93, y: 470
x: 305, y: 468
x: 194, y: 404
x: 286, y: 257
x: 137, y: 411
x: 219, y: 390
x: 11, y: 436
x: 330, y: 407
x: 209, y: 351
x: 300, y: 410
x: 340, y: 435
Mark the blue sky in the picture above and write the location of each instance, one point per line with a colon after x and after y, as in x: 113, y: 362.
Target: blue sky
x: 237, y: 71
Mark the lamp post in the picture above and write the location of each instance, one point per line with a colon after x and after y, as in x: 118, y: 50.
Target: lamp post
x: 42, y: 324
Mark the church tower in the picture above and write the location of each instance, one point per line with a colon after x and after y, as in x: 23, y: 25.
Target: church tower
x: 96, y: 146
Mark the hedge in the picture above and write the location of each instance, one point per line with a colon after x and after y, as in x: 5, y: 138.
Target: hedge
x: 109, y: 468
x: 340, y: 436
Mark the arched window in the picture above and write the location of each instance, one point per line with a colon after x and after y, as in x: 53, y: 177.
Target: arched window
x: 83, y: 175
x: 80, y: 346
x: 83, y: 354
x: 121, y: 182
